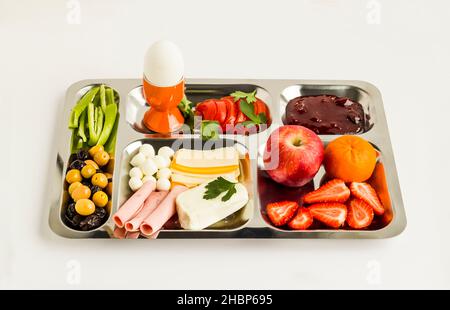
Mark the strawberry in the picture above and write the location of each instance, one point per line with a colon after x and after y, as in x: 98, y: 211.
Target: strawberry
x: 332, y: 214
x: 281, y: 212
x: 360, y: 214
x: 302, y: 220
x: 368, y: 194
x: 333, y: 191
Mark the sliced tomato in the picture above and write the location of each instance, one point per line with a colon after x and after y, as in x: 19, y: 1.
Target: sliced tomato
x: 231, y: 115
x: 207, y: 109
x: 261, y: 107
x: 221, y: 108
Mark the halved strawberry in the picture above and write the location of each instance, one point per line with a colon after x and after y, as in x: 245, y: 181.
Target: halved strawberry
x: 302, y: 220
x: 360, y: 214
x: 332, y: 214
x: 333, y: 191
x: 368, y: 194
x: 281, y: 212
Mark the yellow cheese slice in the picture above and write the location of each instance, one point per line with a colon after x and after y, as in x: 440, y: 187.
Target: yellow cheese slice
x: 222, y: 157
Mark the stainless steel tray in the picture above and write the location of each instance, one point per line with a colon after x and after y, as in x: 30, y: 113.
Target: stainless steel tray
x: 276, y: 93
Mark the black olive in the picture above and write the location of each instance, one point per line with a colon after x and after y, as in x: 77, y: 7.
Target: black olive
x: 77, y: 164
x: 91, y: 222
x: 70, y: 211
x: 94, y: 189
x: 82, y: 155
x: 86, y: 183
x: 100, y: 212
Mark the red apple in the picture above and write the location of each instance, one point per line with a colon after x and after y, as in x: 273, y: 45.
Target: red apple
x: 293, y: 155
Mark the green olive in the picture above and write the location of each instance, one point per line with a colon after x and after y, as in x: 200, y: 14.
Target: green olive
x: 101, y: 158
x: 108, y: 176
x: 91, y: 162
x: 109, y: 188
x: 96, y: 148
x: 88, y: 171
x: 73, y: 186
x: 109, y: 207
x: 100, y: 180
x: 84, y: 207
x: 81, y: 192
x: 100, y: 199
x: 73, y: 175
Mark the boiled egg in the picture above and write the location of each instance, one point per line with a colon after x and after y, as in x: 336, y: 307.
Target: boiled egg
x: 163, y: 64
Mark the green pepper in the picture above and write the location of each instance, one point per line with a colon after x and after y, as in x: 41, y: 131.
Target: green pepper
x: 111, y: 143
x: 82, y: 126
x: 109, y: 96
x: 95, y: 123
x: 99, y: 120
x: 76, y: 143
x: 81, y: 106
x: 110, y: 118
x: 102, y: 97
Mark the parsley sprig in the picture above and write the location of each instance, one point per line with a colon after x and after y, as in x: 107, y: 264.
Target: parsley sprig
x: 218, y: 186
x: 249, y: 97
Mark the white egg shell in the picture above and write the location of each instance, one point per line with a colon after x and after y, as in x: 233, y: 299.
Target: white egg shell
x: 164, y: 173
x: 149, y: 178
x: 163, y: 64
x: 135, y: 184
x: 136, y: 172
x: 166, y: 151
x: 149, y: 167
x: 147, y: 150
x: 137, y: 159
x: 161, y: 161
x: 163, y: 185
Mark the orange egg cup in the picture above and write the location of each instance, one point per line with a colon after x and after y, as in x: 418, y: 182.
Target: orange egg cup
x: 163, y: 115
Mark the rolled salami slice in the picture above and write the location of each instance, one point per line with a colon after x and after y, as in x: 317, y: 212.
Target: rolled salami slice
x: 119, y: 233
x: 133, y: 204
x: 149, y: 206
x: 132, y: 234
x: 163, y: 212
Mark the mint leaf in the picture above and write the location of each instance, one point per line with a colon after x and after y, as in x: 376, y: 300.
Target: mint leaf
x: 262, y: 118
x: 248, y: 110
x: 218, y: 186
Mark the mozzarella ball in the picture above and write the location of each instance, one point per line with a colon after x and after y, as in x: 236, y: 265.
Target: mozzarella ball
x: 148, y: 178
x: 164, y: 173
x: 163, y: 185
x: 137, y: 160
x: 161, y: 162
x: 135, y: 184
x: 147, y: 150
x: 136, y: 172
x: 166, y: 151
x: 149, y: 167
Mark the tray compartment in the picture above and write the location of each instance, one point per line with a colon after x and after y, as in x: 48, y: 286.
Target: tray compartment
x: 65, y: 197
x: 270, y: 191
x: 352, y: 92
x: 137, y: 106
x: 235, y: 221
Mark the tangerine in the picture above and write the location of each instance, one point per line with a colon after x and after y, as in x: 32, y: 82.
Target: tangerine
x: 350, y: 158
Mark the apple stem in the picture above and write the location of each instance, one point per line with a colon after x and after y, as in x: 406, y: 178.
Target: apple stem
x: 297, y: 142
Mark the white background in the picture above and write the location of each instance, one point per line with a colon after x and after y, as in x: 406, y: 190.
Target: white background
x: 406, y: 55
